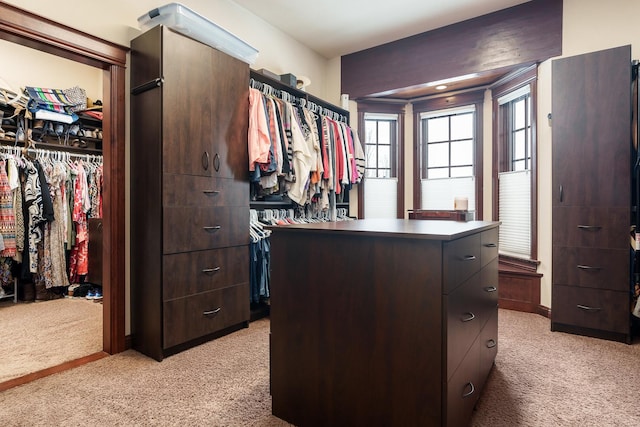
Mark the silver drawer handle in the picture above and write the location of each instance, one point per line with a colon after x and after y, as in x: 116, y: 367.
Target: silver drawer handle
x: 468, y: 258
x: 470, y: 317
x: 589, y: 227
x: 213, y: 228
x: 472, y: 389
x: 587, y: 308
x: 491, y: 245
x: 588, y: 267
x: 210, y: 270
x: 210, y: 192
x: 490, y: 289
x: 212, y: 312
x: 491, y: 343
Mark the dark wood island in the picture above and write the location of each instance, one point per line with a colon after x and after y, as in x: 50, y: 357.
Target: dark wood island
x: 382, y: 322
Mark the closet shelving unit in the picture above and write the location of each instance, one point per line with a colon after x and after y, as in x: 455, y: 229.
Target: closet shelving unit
x: 259, y: 310
x: 340, y: 114
x: 9, y: 123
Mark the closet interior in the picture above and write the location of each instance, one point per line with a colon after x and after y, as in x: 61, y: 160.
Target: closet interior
x: 24, y: 29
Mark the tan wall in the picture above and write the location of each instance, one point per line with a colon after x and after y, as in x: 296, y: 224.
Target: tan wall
x: 589, y: 25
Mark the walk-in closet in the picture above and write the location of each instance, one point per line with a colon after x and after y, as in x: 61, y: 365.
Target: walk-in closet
x: 45, y: 328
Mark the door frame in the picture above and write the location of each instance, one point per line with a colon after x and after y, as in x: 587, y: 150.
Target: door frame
x: 25, y: 28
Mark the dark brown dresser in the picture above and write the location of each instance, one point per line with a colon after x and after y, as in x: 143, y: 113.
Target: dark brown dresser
x: 382, y: 322
x: 189, y: 192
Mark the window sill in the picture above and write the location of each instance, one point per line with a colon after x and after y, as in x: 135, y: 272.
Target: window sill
x: 520, y: 266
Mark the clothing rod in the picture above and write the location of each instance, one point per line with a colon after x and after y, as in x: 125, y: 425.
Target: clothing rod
x: 18, y: 150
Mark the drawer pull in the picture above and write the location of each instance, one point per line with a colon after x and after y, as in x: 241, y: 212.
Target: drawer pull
x: 210, y: 270
x: 212, y: 313
x: 472, y: 389
x: 490, y: 289
x: 491, y: 343
x: 211, y: 192
x: 491, y: 245
x: 212, y: 228
x: 588, y: 267
x: 587, y: 308
x: 589, y: 227
x: 468, y: 258
x: 469, y: 318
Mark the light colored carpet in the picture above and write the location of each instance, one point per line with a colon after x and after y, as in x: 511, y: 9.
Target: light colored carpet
x: 43, y: 334
x: 540, y: 379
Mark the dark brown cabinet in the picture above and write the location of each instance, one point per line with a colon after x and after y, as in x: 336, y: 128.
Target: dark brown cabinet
x: 591, y: 203
x: 382, y: 322
x: 189, y: 192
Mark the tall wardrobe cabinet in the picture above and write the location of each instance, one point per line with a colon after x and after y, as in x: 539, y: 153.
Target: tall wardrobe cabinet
x: 189, y: 192
x: 591, y: 203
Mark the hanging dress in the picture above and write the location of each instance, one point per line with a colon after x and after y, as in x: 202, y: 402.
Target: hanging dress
x: 7, y: 214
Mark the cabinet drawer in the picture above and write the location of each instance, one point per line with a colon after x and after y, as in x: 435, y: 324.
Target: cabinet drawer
x: 591, y: 267
x: 488, y: 292
x: 488, y: 246
x: 460, y: 260
x: 198, y: 228
x: 488, y: 347
x: 463, y: 321
x: 604, y: 310
x: 591, y: 227
x: 190, y: 190
x: 463, y: 389
x: 196, y: 272
x: 198, y: 315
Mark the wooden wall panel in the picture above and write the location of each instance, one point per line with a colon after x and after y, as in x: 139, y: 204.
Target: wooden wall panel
x: 523, y: 34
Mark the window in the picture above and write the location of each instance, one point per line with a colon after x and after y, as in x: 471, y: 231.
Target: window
x: 381, y: 194
x: 381, y: 173
x: 447, y: 139
x: 381, y: 133
x: 515, y: 167
x: 448, y: 147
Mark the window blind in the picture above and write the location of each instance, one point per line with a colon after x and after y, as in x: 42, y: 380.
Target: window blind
x: 439, y: 194
x: 381, y: 198
x: 515, y: 213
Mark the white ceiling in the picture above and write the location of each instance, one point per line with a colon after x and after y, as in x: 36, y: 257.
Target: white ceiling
x: 339, y: 27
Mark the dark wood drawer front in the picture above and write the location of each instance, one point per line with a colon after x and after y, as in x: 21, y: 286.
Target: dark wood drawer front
x: 461, y: 260
x: 463, y: 308
x: 488, y: 347
x: 488, y: 292
x: 592, y: 268
x: 463, y: 389
x: 488, y: 246
x: 190, y: 190
x: 591, y: 308
x: 192, y: 229
x: 591, y: 227
x: 198, y: 315
x: 196, y: 272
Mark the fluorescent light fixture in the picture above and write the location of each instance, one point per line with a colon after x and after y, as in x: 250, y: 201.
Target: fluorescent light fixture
x: 441, y: 87
x: 183, y: 20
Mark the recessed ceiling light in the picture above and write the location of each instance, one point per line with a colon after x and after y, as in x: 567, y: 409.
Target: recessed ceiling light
x: 441, y: 87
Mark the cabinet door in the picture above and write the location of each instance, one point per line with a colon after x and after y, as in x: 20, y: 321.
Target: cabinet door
x: 591, y: 105
x: 187, y: 105
x: 230, y: 120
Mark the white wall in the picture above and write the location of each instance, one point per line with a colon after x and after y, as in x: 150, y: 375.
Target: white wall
x: 116, y: 21
x: 588, y: 25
